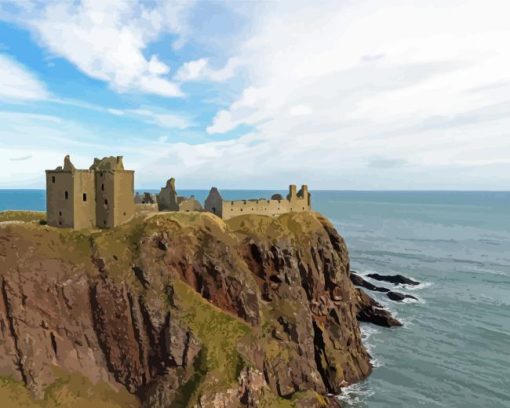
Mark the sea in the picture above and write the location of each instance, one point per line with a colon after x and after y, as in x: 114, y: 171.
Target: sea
x: 454, y: 347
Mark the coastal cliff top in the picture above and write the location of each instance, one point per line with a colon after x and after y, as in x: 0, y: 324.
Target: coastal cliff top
x: 181, y: 308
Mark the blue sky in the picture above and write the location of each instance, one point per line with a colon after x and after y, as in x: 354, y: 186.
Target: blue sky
x: 340, y: 95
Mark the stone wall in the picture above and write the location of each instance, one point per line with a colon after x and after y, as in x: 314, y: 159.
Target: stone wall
x: 295, y: 202
x: 124, y: 205
x: 84, y: 199
x: 59, y: 198
x: 105, y: 195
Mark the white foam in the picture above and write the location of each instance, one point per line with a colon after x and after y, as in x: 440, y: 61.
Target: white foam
x: 420, y: 286
x: 355, y: 394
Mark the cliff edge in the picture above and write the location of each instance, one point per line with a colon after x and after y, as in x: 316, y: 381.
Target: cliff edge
x: 180, y: 310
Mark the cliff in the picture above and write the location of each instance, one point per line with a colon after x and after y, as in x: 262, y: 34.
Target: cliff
x: 179, y: 310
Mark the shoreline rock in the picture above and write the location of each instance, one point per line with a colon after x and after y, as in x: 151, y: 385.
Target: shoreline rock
x: 359, y: 281
x: 395, y: 279
x: 399, y: 297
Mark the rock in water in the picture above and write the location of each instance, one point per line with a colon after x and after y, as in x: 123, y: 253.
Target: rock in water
x: 368, y: 310
x: 395, y: 279
x: 359, y: 281
x: 399, y: 297
x: 183, y: 310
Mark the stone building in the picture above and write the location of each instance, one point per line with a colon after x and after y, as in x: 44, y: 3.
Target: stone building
x: 168, y: 200
x: 294, y: 202
x: 101, y: 196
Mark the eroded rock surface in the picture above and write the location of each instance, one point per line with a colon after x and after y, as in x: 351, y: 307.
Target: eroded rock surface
x: 186, y: 310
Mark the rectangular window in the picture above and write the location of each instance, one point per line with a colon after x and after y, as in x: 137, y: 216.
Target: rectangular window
x: 102, y: 187
x: 66, y: 195
x: 105, y: 201
x: 52, y: 179
x: 84, y: 196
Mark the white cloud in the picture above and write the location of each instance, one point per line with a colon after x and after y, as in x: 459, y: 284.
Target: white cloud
x: 390, y: 80
x: 199, y: 70
x: 300, y: 110
x: 18, y: 83
x: 106, y: 39
x: 156, y: 116
x: 244, y: 110
x: 162, y: 118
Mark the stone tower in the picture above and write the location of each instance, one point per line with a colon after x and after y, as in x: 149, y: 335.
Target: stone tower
x: 70, y: 197
x: 114, y: 192
x: 101, y: 196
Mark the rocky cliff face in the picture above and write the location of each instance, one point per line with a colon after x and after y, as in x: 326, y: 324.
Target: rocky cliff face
x: 182, y: 310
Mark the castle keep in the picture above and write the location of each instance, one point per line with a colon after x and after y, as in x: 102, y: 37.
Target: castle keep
x: 295, y: 202
x: 101, y: 196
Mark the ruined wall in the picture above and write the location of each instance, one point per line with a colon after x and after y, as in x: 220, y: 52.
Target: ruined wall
x: 124, y: 203
x: 167, y: 197
x: 295, y: 202
x: 213, y: 202
x: 59, y: 198
x: 190, y: 204
x: 265, y: 207
x: 146, y: 207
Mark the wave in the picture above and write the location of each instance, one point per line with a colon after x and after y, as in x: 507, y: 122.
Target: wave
x: 355, y: 394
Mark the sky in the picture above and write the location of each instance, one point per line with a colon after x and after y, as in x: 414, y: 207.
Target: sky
x: 358, y: 95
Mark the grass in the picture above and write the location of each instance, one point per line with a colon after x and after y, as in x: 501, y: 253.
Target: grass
x: 218, y: 332
x: 71, y: 390
x: 24, y: 216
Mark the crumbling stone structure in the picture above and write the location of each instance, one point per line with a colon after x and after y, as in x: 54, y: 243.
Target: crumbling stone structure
x: 295, y: 202
x: 101, y: 196
x: 168, y: 200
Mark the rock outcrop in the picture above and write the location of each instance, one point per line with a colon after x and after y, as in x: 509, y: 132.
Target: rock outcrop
x: 183, y: 310
x: 359, y: 281
x: 395, y: 279
x: 399, y: 297
x: 395, y: 296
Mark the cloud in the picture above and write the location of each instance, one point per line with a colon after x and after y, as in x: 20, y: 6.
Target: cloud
x: 386, y: 163
x: 156, y: 116
x: 199, y: 70
x: 107, y: 40
x: 162, y: 118
x: 17, y: 83
x: 21, y: 158
x: 369, y: 77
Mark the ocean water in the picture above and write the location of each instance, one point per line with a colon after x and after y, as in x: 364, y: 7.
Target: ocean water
x: 454, y: 348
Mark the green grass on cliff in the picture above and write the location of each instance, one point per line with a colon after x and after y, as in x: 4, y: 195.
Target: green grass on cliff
x: 70, y: 390
x: 24, y: 216
x: 218, y: 332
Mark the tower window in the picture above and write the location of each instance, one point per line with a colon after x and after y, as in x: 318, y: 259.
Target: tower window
x: 102, y: 187
x: 52, y: 179
x: 84, y: 196
x: 105, y: 201
x: 60, y: 213
x: 66, y: 195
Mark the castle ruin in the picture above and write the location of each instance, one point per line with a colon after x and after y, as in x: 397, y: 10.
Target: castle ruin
x: 294, y: 202
x: 101, y: 196
x: 168, y: 200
